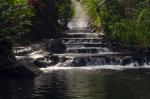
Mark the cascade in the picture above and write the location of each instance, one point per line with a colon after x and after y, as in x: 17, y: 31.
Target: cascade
x: 86, y: 49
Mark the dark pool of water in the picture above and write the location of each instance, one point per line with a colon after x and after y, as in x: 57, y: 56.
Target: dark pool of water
x: 79, y: 84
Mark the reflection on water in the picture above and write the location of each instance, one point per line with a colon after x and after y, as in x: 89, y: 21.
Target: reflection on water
x: 79, y: 84
x: 15, y: 88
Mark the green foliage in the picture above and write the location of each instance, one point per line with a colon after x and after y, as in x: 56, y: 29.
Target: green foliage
x: 21, y: 19
x: 91, y: 6
x: 65, y: 12
x: 15, y: 19
x: 125, y: 20
x: 134, y: 31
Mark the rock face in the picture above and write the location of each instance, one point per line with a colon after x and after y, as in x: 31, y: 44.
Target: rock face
x: 26, y: 69
x: 56, y: 46
x: 9, y: 65
x: 7, y: 58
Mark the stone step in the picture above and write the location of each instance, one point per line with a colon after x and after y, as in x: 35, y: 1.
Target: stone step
x: 79, y: 55
x: 110, y: 60
x: 87, y: 44
x: 78, y: 30
x: 81, y: 33
x: 81, y: 41
x: 83, y: 51
x: 86, y: 50
x: 81, y: 38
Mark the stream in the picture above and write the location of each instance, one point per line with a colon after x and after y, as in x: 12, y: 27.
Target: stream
x: 79, y: 84
x: 87, y: 70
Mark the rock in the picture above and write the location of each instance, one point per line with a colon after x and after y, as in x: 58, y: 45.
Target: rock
x: 22, y: 51
x: 50, y: 61
x: 126, y: 61
x: 9, y: 65
x: 54, y: 59
x: 56, y: 46
x: 42, y: 63
x: 26, y: 69
x: 7, y: 58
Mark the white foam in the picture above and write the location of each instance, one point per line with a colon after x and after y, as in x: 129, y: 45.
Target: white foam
x: 111, y: 67
x: 38, y: 54
x: 80, y: 19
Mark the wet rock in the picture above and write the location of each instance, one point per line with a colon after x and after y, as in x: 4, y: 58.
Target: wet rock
x: 42, y: 63
x: 26, y: 69
x: 54, y: 59
x: 126, y: 61
x: 56, y: 46
x: 21, y: 51
x: 39, y: 54
x: 139, y: 60
x: 9, y: 65
x: 7, y: 58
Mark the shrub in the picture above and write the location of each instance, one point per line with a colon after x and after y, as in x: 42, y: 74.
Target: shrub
x: 15, y: 19
x: 125, y: 20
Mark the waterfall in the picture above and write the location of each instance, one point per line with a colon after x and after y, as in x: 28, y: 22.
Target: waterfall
x: 80, y: 19
x: 88, y: 51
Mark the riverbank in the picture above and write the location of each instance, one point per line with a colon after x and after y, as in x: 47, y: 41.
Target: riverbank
x: 125, y: 22
x: 118, y: 46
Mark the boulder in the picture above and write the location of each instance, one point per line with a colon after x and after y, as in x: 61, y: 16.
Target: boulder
x: 54, y: 59
x: 26, y: 69
x: 56, y: 46
x: 7, y: 58
x: 9, y: 65
x: 40, y: 63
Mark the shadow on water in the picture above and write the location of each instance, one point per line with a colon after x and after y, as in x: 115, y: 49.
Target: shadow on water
x: 15, y: 88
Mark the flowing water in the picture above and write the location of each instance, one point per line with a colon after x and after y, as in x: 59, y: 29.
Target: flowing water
x: 79, y: 84
x: 88, y: 69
